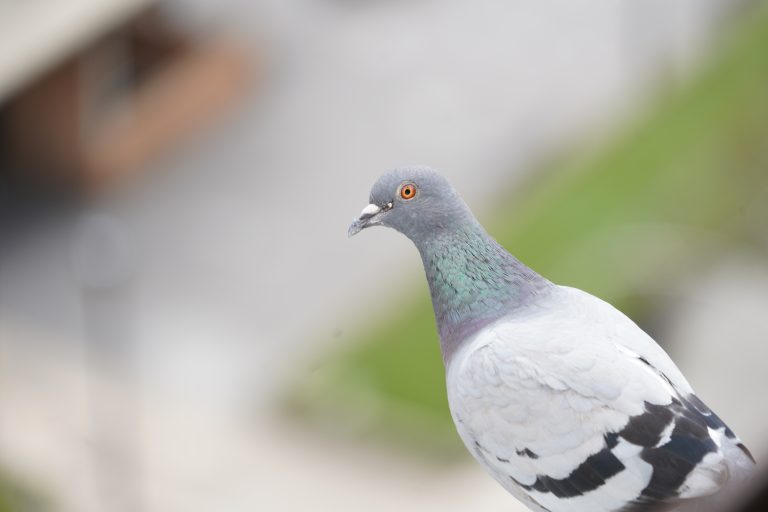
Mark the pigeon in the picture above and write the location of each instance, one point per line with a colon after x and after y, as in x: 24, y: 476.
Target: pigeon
x: 562, y: 398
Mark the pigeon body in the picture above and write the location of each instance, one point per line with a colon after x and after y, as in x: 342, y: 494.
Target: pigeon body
x: 565, y: 401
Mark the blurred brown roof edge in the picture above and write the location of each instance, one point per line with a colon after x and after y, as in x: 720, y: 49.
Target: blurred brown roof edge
x: 37, y: 36
x: 103, y: 113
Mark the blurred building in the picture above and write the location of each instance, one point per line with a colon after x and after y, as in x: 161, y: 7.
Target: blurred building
x: 107, y: 88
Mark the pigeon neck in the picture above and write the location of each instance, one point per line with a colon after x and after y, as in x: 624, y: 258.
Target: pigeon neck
x: 473, y: 282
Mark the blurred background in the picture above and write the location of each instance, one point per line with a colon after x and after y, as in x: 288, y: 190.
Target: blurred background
x: 184, y: 325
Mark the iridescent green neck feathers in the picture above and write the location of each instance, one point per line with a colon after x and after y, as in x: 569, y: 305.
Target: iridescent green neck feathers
x: 473, y: 281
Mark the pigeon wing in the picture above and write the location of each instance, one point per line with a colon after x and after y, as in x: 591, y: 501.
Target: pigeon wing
x: 571, y: 405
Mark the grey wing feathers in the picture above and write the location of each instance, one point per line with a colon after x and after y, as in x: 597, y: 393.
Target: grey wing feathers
x: 684, y: 444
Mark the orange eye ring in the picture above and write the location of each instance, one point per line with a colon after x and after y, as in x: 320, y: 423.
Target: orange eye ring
x: 408, y: 191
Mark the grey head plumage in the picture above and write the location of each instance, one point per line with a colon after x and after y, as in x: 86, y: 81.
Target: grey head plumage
x: 473, y: 281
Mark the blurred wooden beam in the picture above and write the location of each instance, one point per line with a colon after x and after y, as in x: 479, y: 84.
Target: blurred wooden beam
x: 202, y: 81
x: 36, y: 35
x: 103, y: 114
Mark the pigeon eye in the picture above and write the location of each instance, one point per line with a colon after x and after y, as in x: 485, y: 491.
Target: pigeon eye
x: 408, y: 191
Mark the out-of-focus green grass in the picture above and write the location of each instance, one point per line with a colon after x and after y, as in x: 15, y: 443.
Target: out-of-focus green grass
x: 15, y: 497
x: 684, y: 182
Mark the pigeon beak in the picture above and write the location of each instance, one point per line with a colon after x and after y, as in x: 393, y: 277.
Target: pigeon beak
x: 368, y: 217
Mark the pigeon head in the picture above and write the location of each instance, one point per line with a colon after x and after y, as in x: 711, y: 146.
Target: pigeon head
x: 473, y: 281
x: 415, y: 201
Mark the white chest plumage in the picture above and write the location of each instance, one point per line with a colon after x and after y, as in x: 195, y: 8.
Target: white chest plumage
x: 572, y: 407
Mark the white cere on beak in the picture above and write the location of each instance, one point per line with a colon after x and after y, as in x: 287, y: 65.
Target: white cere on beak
x: 369, y: 210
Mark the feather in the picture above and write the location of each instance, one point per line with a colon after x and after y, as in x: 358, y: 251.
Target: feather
x: 611, y: 421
